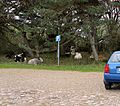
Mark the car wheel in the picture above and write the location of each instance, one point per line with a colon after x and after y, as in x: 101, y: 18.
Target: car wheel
x: 108, y: 86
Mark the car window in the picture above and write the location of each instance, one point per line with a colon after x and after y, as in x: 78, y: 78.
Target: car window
x: 115, y: 58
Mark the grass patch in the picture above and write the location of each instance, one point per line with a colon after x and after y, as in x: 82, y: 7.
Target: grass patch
x: 81, y: 68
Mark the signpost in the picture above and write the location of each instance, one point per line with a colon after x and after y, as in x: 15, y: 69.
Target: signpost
x: 58, y: 50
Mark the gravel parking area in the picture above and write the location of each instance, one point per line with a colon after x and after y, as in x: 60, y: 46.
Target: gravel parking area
x: 24, y: 87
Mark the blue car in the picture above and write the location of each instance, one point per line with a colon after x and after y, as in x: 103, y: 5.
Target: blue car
x: 112, y: 70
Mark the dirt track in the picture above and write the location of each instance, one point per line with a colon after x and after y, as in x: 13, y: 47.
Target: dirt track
x: 21, y: 87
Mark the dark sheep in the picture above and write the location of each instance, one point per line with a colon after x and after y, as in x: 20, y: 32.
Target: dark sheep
x: 20, y: 57
x: 10, y: 55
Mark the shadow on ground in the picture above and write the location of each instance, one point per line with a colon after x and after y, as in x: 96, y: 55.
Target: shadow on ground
x: 116, y: 87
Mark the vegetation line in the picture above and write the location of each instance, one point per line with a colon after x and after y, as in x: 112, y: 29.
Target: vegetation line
x: 80, y: 68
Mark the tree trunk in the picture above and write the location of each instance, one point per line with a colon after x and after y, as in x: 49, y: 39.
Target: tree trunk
x: 28, y: 49
x: 92, y: 43
x: 37, y: 51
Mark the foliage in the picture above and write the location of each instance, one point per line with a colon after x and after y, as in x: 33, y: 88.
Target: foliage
x: 33, y: 24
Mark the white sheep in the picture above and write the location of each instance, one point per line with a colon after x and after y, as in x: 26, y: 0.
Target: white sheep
x: 78, y: 56
x: 35, y: 61
x: 91, y: 57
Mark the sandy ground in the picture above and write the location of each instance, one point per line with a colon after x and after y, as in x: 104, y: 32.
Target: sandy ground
x: 24, y: 87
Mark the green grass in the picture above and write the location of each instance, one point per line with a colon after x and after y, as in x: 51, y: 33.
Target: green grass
x: 81, y: 68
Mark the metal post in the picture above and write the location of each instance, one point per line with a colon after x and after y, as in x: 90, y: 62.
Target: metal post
x: 58, y: 53
x: 58, y: 49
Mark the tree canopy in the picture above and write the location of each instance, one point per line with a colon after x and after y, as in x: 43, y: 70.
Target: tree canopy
x: 88, y: 24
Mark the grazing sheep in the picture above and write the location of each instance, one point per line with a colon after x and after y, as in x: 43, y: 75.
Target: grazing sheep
x: 91, y: 57
x: 35, y: 61
x: 10, y: 55
x: 78, y: 56
x: 20, y: 57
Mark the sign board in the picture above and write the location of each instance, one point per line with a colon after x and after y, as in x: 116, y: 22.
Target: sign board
x: 58, y: 38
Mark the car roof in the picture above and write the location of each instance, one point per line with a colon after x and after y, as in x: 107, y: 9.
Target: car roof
x: 116, y: 52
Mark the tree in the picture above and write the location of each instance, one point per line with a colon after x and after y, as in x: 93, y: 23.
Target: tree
x: 112, y: 22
